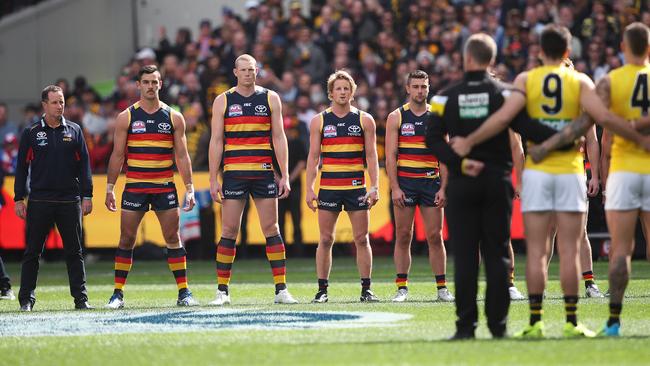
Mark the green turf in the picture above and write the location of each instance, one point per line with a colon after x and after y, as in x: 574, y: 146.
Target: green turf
x: 419, y: 340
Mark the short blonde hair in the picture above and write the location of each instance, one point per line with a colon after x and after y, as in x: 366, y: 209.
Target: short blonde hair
x: 245, y: 57
x: 340, y: 75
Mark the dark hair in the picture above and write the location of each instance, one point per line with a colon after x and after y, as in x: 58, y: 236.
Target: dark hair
x: 45, y: 94
x: 417, y: 74
x: 555, y: 41
x: 482, y: 48
x: 147, y: 69
x: 636, y: 36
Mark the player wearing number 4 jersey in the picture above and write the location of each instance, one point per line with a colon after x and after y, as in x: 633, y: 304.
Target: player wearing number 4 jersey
x: 554, y: 187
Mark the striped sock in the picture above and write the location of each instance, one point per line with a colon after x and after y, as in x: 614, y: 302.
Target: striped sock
x: 402, y: 281
x: 226, y: 250
x: 441, y: 281
x: 588, y: 277
x: 512, y: 277
x: 178, y: 265
x: 571, y: 308
x: 123, y: 263
x: 535, y: 305
x: 277, y: 258
x: 614, y: 314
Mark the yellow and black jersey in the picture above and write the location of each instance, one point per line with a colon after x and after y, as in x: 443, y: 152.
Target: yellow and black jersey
x: 630, y: 99
x: 414, y: 158
x: 342, y: 150
x: 553, y: 98
x: 150, y: 147
x: 247, y: 132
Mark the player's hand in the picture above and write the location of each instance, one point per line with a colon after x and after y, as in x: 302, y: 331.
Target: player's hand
x: 518, y: 190
x: 284, y: 188
x: 440, y: 200
x: 593, y: 187
x: 537, y: 153
x: 398, y: 197
x: 471, y: 167
x: 86, y: 206
x: 372, y: 196
x: 312, y: 200
x: 216, y: 191
x: 20, y: 209
x: 460, y: 146
x: 110, y: 201
x: 190, y: 200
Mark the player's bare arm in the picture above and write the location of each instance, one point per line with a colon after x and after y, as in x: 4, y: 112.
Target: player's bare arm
x: 117, y: 158
x: 313, y: 159
x: 392, y: 130
x: 280, y: 144
x: 215, y: 149
x: 370, y: 141
x: 183, y: 163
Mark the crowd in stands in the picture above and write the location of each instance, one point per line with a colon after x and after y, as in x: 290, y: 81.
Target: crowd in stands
x: 378, y: 41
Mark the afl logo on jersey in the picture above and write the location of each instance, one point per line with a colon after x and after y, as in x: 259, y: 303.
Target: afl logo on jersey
x: 329, y: 131
x: 408, y: 129
x: 138, y: 127
x: 354, y: 130
x: 235, y: 110
x: 164, y: 127
x: 260, y: 109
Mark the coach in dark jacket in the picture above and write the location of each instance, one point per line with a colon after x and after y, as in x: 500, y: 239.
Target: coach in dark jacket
x: 479, y: 193
x: 60, y: 191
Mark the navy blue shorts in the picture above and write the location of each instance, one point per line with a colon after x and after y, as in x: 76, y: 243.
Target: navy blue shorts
x: 419, y: 191
x: 239, y: 189
x: 347, y: 199
x: 141, y: 201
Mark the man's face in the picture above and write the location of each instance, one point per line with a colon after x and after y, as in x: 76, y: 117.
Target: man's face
x: 149, y: 85
x: 54, y: 105
x: 246, y: 72
x: 418, y: 89
x: 341, y: 92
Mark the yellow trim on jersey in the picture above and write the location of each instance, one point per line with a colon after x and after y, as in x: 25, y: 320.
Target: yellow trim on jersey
x: 322, y: 121
x: 128, y: 111
x: 339, y: 168
x: 361, y: 119
x: 162, y: 144
x: 342, y: 188
x: 150, y: 180
x: 342, y: 148
x: 627, y: 156
x: 149, y: 163
x: 268, y: 100
x: 246, y: 166
x: 246, y: 127
x: 417, y: 164
x: 412, y: 145
x: 171, y: 117
x: 231, y: 147
x: 136, y: 105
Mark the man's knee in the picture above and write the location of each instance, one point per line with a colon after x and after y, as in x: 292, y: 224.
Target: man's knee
x: 403, y: 237
x: 271, y: 229
x: 434, y: 240
x: 326, y: 240
x: 361, y: 240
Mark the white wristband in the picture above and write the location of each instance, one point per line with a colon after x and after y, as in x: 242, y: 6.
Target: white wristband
x: 110, y: 187
x: 189, y: 187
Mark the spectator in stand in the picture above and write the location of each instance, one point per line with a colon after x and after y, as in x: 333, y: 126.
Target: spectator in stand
x: 6, y: 126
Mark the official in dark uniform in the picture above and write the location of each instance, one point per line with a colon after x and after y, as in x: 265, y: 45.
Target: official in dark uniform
x: 54, y: 153
x: 480, y: 190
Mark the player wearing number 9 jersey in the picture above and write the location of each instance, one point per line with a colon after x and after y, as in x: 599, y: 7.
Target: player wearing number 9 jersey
x: 555, y: 187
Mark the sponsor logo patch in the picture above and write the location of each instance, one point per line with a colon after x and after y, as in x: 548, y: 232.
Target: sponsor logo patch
x: 171, y: 196
x: 41, y: 135
x: 260, y: 109
x: 327, y: 204
x: 408, y: 129
x: 473, y: 106
x: 329, y: 131
x: 235, y: 110
x: 354, y: 130
x: 164, y: 127
x: 131, y: 204
x: 357, y: 182
x: 138, y: 127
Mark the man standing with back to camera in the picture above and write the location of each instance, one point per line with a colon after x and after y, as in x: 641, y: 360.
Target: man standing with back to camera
x: 53, y: 152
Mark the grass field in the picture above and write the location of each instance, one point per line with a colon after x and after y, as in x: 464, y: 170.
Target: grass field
x: 420, y: 339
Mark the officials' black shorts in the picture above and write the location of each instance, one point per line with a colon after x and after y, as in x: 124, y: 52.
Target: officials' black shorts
x: 239, y: 188
x: 419, y: 191
x: 347, y: 199
x: 141, y: 201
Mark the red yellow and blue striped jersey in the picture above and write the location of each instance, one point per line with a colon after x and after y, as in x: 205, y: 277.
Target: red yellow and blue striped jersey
x: 414, y: 158
x: 150, y: 149
x: 342, y: 150
x: 247, y: 131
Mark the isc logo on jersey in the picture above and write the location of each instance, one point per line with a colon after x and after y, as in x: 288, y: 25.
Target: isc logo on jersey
x: 235, y: 110
x: 329, y: 131
x: 354, y: 130
x: 408, y: 129
x: 164, y: 127
x: 138, y: 127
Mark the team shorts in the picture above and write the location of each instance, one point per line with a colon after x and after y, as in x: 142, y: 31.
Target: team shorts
x: 628, y: 191
x: 543, y: 191
x: 141, y: 201
x: 419, y: 191
x: 240, y: 188
x: 346, y: 199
